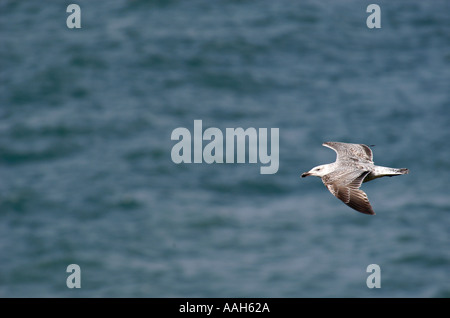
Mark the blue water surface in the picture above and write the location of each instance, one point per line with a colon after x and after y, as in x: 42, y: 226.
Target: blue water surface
x: 86, y: 175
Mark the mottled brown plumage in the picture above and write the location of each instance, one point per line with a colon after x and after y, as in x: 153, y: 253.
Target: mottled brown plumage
x: 354, y: 165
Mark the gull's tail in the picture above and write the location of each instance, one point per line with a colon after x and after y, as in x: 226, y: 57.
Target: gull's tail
x: 380, y: 171
x: 390, y: 172
x: 401, y: 171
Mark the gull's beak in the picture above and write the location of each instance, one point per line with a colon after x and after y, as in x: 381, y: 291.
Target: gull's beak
x: 305, y: 174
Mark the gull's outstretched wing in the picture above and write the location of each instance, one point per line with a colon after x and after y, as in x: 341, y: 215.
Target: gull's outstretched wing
x: 355, y: 152
x: 344, y: 185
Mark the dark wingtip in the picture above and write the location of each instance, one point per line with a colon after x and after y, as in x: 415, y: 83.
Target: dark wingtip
x: 365, y: 210
x: 368, y: 212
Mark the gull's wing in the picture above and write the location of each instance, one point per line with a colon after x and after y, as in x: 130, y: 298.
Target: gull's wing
x: 345, y: 151
x: 344, y: 185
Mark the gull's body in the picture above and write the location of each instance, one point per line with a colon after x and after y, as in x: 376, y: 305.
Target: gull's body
x: 353, y: 166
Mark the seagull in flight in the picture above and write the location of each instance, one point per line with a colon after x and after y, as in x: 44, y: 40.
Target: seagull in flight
x: 353, y: 166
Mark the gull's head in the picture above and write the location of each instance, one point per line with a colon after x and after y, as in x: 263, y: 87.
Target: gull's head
x: 318, y: 171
